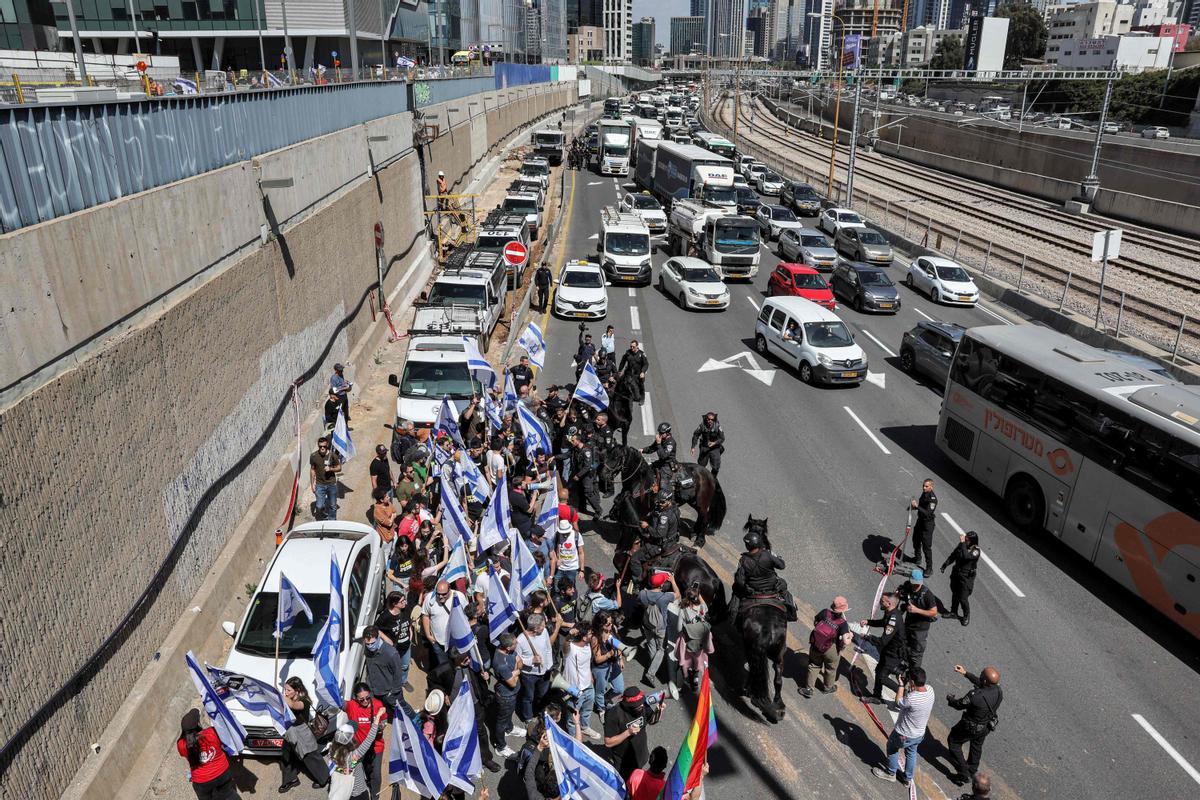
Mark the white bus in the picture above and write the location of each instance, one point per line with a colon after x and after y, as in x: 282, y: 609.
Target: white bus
x: 1099, y: 451
x: 995, y: 106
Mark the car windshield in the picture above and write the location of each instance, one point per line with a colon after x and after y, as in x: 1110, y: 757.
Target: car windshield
x: 582, y: 278
x: 873, y: 278
x: 492, y: 243
x: 627, y: 244
x: 828, y: 334
x: 548, y: 138
x: 645, y: 201
x: 434, y: 379
x: 782, y: 214
x: 535, y: 169
x: 700, y: 275
x: 806, y: 280
x: 804, y: 193
x: 770, y: 177
x: 445, y: 294
x: 617, y: 150
x: 520, y: 205
x: 814, y: 241
x: 257, y: 636
x: 871, y: 237
x: 745, y: 193
x: 849, y: 219
x: 953, y: 274
x: 737, y: 238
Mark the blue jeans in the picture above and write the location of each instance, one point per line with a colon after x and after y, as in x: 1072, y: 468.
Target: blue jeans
x: 533, y: 691
x: 405, y: 660
x: 504, y: 711
x: 586, y: 698
x: 327, y: 496
x: 895, y: 744
x: 608, y: 677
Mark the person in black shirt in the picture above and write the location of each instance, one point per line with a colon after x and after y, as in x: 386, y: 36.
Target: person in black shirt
x: 920, y: 610
x: 965, y: 559
x: 522, y: 374
x: 542, y: 279
x: 890, y: 643
x: 979, y: 707
x: 381, y: 470
x: 332, y: 406
x: 635, y: 363
x: 625, y: 732
x: 922, y: 535
x: 395, y: 626
x: 566, y: 599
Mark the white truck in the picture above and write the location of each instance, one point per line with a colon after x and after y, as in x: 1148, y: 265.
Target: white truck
x: 674, y: 118
x: 624, y: 247
x: 613, y: 155
x: 682, y: 171
x: 727, y: 241
x: 644, y: 130
x: 549, y: 144
x: 467, y: 297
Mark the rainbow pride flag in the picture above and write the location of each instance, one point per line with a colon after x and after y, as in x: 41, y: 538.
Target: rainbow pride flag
x: 686, y: 773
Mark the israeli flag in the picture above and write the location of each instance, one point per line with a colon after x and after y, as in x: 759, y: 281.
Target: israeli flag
x: 494, y: 416
x: 229, y: 730
x: 291, y: 606
x: 547, y: 518
x: 273, y: 81
x: 497, y: 518
x: 185, y: 86
x: 327, y: 652
x: 252, y: 695
x: 534, y: 433
x: 526, y: 574
x: 469, y: 471
x: 511, y: 398
x: 460, y: 635
x: 477, y: 364
x: 589, y: 390
x: 500, y: 609
x: 404, y: 62
x: 454, y: 520
x: 448, y: 421
x: 461, y: 744
x: 456, y: 564
x: 413, y: 761
x: 341, y: 438
x: 582, y: 775
x: 535, y: 345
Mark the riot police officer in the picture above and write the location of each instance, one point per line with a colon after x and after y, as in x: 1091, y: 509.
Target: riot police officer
x: 711, y: 439
x: 922, y: 535
x: 663, y: 451
x: 604, y: 439
x: 965, y: 560
x: 584, y: 465
x: 635, y: 364
x: 756, y: 575
x: 659, y: 532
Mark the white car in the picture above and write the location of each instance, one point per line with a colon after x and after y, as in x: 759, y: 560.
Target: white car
x: 581, y: 292
x: 752, y: 171
x: 833, y: 220
x: 304, y: 557
x: 647, y: 207
x: 943, y: 280
x: 743, y: 162
x: 1156, y: 132
x: 769, y: 183
x: 774, y: 220
x: 693, y: 282
x: 739, y: 180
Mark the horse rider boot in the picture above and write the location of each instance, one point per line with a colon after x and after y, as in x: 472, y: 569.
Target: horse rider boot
x: 756, y: 576
x: 584, y: 464
x: 711, y: 439
x: 660, y: 533
x: 663, y: 450
x: 604, y: 439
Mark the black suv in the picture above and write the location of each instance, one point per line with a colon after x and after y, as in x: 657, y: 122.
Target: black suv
x: 801, y: 198
x: 747, y: 201
x: 865, y: 287
x: 929, y: 348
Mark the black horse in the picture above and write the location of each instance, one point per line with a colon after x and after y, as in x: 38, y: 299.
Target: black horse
x: 763, y: 628
x: 637, y: 486
x: 621, y: 402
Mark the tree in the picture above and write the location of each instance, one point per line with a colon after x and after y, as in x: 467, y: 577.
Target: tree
x: 1193, y: 43
x: 949, y: 54
x: 1026, y: 33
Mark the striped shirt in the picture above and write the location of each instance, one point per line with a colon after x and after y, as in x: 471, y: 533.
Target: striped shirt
x: 915, y: 709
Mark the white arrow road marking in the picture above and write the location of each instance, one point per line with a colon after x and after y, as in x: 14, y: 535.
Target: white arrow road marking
x: 877, y: 378
x: 748, y: 363
x: 593, y: 236
x: 647, y: 417
x: 767, y: 376
x: 712, y: 364
x: 867, y: 431
x: 882, y: 346
x: 752, y: 303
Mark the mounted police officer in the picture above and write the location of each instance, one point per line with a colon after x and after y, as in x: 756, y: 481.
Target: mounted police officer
x: 711, y: 439
x: 604, y: 439
x: 965, y: 561
x: 663, y: 452
x: 585, y: 463
x: 659, y: 533
x: 756, y: 576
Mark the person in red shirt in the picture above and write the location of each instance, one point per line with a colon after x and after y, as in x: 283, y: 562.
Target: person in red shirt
x: 565, y: 510
x: 645, y: 784
x: 210, y: 774
x: 362, y: 708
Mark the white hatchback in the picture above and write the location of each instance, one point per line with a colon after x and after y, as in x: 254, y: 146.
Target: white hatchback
x: 581, y: 292
x: 694, y: 283
x: 943, y: 280
x: 833, y: 220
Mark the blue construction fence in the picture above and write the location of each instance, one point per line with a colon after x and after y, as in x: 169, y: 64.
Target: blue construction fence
x: 509, y: 75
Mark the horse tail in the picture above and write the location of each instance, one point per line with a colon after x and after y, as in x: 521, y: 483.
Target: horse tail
x: 720, y: 606
x: 716, y: 512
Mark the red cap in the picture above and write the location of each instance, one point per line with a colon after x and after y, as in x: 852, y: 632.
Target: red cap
x: 658, y: 579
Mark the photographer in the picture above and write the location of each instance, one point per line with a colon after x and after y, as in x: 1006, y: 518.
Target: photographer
x: 625, y: 729
x: 979, y: 707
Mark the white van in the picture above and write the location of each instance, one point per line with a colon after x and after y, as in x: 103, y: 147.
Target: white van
x: 818, y: 344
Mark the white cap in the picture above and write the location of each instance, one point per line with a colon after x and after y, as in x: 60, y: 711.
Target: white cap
x: 441, y: 174
x: 435, y: 701
x: 564, y: 526
x: 345, y: 733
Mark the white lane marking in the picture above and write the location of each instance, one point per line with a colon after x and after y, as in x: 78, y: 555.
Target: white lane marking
x: 634, y: 322
x: 595, y: 183
x: 882, y: 346
x: 991, y: 313
x: 752, y: 303
x: 1165, y: 745
x: 647, y: 417
x: 986, y: 559
x: 867, y: 431
x: 632, y: 293
x: 923, y: 314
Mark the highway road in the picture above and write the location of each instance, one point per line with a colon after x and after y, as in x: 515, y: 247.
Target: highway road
x: 1099, y: 690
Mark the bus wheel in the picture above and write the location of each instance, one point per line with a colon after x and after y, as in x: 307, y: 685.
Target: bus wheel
x: 1025, y: 503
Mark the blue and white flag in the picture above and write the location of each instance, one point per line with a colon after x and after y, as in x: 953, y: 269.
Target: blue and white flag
x: 404, y: 62
x: 413, y: 761
x: 526, y: 574
x: 230, y: 731
x: 547, y: 518
x: 273, y: 81
x: 327, y: 651
x: 511, y: 398
x: 291, y: 605
x: 497, y: 518
x: 459, y: 633
x: 456, y: 564
x: 536, y: 437
x: 477, y: 364
x: 341, y: 438
x: 252, y: 695
x: 461, y: 744
x: 455, y: 524
x: 472, y: 477
x: 535, y: 345
x: 589, y: 390
x: 185, y: 86
x: 582, y: 774
x: 448, y: 421
x: 500, y: 609
x: 495, y: 416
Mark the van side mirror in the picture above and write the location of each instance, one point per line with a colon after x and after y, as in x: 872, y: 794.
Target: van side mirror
x: 394, y: 380
x: 600, y: 247
x: 229, y: 628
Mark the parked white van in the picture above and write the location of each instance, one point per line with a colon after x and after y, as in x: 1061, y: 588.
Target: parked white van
x: 811, y: 339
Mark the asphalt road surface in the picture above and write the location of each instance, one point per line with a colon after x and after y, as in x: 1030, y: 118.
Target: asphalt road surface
x: 1099, y: 691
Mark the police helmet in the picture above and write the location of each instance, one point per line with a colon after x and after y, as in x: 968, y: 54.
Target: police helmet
x: 752, y: 540
x: 664, y: 427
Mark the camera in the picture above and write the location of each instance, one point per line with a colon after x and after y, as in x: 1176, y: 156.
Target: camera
x: 654, y: 707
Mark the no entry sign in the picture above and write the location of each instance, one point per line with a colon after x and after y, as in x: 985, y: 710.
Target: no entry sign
x: 515, y: 253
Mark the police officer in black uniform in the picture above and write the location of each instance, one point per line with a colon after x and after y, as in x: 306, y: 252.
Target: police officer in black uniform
x: 586, y: 350
x: 663, y: 450
x: 965, y: 560
x: 756, y: 576
x: 889, y: 642
x: 922, y: 536
x: 659, y: 532
x: 522, y: 374
x: 711, y: 439
x: 920, y: 610
x: 635, y: 364
x: 979, y: 707
x: 584, y: 467
x: 604, y: 439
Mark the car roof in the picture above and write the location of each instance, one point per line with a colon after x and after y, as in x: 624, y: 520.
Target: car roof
x: 798, y: 269
x: 950, y: 329
x: 941, y: 261
x: 840, y: 210
x: 304, y: 554
x: 691, y: 262
x: 804, y: 310
x: 581, y: 266
x: 859, y: 266
x: 777, y: 208
x: 811, y: 232
x: 432, y: 347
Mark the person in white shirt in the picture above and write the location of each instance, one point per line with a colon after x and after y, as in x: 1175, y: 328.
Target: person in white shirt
x: 914, y: 700
x: 535, y: 647
x: 566, y: 559
x: 608, y: 345
x: 577, y: 672
x: 435, y: 621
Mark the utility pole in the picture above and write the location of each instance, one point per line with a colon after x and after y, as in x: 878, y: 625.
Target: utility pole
x: 1090, y: 185
x: 79, y: 62
x: 1021, y: 118
x: 262, y: 58
x: 137, y: 43
x: 853, y: 143
x: 353, y: 34
x: 287, y: 44
x: 383, y: 40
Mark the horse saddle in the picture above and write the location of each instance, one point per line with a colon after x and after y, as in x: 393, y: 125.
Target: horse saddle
x: 667, y: 558
x: 757, y: 600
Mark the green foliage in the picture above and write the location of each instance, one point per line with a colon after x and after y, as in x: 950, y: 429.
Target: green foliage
x: 1026, y: 33
x: 949, y: 54
x: 1136, y: 98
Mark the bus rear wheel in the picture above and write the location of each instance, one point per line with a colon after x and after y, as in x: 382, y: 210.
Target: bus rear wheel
x: 1025, y: 504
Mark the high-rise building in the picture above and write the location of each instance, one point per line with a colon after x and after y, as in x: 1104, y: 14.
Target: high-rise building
x: 865, y: 18
x: 618, y: 31
x: 643, y: 42
x: 687, y: 35
x: 533, y: 33
x: 1088, y: 21
x: 760, y: 32
x: 726, y: 28
x: 585, y: 44
x: 787, y: 27
x: 554, y: 31
x: 700, y: 8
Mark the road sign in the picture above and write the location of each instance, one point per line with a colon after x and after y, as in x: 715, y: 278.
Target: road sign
x: 1106, y: 245
x: 515, y: 253
x: 378, y: 235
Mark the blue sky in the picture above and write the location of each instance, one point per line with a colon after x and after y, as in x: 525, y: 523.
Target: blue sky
x: 662, y: 11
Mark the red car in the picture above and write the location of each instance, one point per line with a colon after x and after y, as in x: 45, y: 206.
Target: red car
x: 801, y: 280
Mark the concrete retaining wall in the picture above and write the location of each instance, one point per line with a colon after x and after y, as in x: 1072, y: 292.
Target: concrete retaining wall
x: 142, y: 452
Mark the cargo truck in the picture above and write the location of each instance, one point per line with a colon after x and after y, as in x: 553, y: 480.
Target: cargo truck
x: 683, y: 171
x: 613, y: 155
x: 729, y: 242
x: 549, y: 145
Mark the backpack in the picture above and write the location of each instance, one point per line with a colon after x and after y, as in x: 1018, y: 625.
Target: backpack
x: 824, y: 633
x: 586, y: 610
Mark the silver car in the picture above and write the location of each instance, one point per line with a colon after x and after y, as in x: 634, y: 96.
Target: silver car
x: 864, y: 244
x: 807, y: 246
x: 775, y: 219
